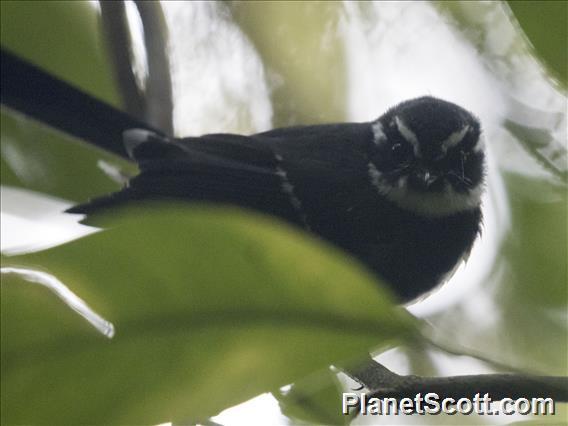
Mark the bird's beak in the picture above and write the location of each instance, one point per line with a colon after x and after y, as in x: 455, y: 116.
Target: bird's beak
x: 426, y: 177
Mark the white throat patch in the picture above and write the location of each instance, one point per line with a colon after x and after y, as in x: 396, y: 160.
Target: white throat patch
x: 431, y: 205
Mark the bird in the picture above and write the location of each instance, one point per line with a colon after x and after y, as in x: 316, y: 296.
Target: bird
x: 401, y: 194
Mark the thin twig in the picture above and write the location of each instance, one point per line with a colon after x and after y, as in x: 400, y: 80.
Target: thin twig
x: 383, y: 383
x: 119, y: 45
x: 458, y: 349
x: 159, y: 104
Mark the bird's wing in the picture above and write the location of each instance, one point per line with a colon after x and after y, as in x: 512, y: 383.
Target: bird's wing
x: 304, y: 131
x: 223, y: 151
x: 221, y: 168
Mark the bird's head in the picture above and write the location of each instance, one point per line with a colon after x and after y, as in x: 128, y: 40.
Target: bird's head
x: 428, y: 157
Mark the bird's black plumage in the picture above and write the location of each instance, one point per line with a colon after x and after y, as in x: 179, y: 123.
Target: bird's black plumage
x: 400, y: 193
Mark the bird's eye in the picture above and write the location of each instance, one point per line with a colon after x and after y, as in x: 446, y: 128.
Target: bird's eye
x: 401, y: 152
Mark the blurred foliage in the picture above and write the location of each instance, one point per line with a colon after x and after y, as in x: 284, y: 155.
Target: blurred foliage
x: 541, y: 145
x: 183, y: 348
x: 560, y: 417
x: 33, y: 29
x: 299, y: 45
x: 313, y: 400
x: 539, y: 216
x: 33, y: 155
x: 39, y: 158
x: 534, y: 277
x: 545, y: 23
x: 234, y: 306
x: 528, y: 284
x: 545, y: 38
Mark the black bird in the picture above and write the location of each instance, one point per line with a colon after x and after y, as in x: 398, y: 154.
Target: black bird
x: 401, y: 193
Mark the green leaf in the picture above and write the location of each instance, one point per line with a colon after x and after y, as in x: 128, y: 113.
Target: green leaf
x: 39, y: 158
x: 544, y: 24
x: 314, y: 400
x: 211, y: 307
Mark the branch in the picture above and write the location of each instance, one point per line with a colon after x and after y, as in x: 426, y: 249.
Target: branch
x: 384, y: 383
x: 119, y: 45
x: 159, y: 104
x: 154, y: 104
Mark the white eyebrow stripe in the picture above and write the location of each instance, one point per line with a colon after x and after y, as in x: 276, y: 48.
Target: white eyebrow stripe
x: 455, y: 138
x: 378, y: 132
x: 407, y: 134
x: 479, y: 145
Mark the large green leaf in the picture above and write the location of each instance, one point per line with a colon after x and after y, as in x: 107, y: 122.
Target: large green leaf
x: 545, y: 25
x: 42, y: 159
x: 211, y: 307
